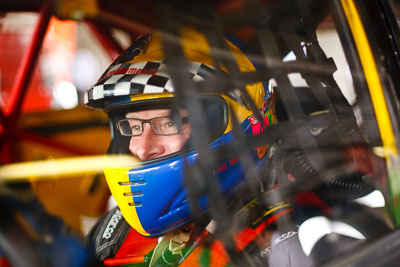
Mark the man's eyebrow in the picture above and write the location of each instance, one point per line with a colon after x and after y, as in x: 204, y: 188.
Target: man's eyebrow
x: 127, y: 116
x: 134, y: 116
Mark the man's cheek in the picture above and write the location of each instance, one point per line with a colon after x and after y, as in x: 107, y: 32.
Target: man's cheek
x: 175, y: 144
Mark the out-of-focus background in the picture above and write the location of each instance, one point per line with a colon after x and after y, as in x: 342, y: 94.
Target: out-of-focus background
x: 53, y: 122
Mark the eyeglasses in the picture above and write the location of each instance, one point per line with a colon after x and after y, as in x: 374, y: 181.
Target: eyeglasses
x: 160, y: 126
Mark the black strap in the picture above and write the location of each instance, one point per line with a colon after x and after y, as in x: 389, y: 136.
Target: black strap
x: 107, y: 236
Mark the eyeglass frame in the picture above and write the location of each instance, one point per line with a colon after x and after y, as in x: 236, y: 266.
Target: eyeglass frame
x: 143, y: 121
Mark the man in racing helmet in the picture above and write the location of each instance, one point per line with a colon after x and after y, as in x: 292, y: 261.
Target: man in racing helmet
x: 153, y: 223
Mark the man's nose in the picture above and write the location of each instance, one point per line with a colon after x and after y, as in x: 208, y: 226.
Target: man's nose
x: 148, y: 146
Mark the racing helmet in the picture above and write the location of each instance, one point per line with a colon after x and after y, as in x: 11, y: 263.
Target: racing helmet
x: 151, y: 194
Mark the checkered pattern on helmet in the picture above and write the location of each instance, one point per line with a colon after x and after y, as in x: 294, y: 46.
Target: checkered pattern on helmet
x: 140, y: 78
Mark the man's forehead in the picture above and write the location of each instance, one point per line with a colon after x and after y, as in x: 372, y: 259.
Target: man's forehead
x: 151, y: 113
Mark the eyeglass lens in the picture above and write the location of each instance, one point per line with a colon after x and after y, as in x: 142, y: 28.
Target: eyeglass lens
x: 160, y: 126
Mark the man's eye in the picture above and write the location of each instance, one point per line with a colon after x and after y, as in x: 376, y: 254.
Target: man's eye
x: 136, y: 127
x: 170, y: 124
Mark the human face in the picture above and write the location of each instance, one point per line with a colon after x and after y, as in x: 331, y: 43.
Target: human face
x: 150, y: 145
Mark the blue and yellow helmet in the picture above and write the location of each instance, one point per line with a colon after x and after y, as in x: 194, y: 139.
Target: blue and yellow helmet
x: 151, y: 195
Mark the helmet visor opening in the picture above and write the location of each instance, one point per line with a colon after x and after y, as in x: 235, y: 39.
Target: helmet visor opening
x: 129, y: 123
